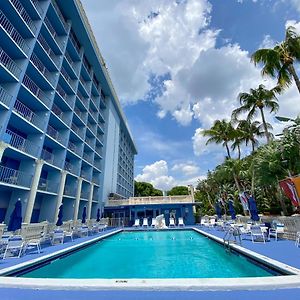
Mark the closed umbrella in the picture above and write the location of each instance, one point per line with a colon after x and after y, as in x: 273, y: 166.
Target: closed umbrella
x: 253, y: 209
x: 60, y: 216
x: 83, y: 220
x: 15, y: 221
x: 218, y: 210
x: 98, y: 215
x: 231, y: 209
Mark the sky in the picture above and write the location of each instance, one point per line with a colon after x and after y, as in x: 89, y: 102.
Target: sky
x: 178, y: 65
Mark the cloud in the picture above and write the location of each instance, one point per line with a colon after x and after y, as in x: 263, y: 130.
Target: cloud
x: 186, y: 169
x: 267, y: 42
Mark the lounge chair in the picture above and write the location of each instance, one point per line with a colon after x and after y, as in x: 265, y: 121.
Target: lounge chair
x: 279, y: 229
x: 145, y: 222
x: 15, y: 246
x: 212, y: 223
x: 297, y: 241
x: 59, y: 235
x: 204, y: 222
x: 83, y: 231
x: 257, y: 234
x: 153, y: 222
x: 180, y: 222
x: 136, y: 223
x: 171, y: 222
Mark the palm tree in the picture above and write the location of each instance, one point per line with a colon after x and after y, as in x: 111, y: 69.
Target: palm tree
x: 279, y: 61
x: 258, y: 99
x: 221, y: 132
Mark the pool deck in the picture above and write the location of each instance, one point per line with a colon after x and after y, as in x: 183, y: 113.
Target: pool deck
x: 283, y: 250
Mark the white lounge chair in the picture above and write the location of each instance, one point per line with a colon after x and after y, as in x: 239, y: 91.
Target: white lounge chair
x: 204, y: 222
x: 58, y: 235
x: 153, y: 222
x: 15, y: 246
x: 257, y: 234
x: 180, y: 222
x: 171, y: 222
x: 279, y: 230
x: 136, y: 223
x: 145, y: 222
x: 212, y: 222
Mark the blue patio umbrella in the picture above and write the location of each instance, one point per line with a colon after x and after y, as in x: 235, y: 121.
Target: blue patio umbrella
x: 15, y: 221
x: 60, y: 216
x: 218, y: 210
x: 253, y: 209
x: 98, y: 215
x: 231, y: 209
x: 83, y: 220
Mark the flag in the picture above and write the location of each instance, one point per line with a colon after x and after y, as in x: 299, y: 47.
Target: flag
x: 289, y: 189
x: 244, y: 200
x: 296, y: 181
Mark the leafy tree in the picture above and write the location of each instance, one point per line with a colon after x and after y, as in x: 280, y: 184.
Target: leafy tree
x: 178, y: 190
x: 279, y: 61
x: 145, y: 189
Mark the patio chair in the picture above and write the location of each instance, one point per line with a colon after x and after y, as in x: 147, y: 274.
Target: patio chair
x: 257, y: 234
x: 180, y: 222
x: 136, y: 223
x: 83, y: 231
x: 171, y: 222
x: 15, y: 246
x: 204, y: 222
x: 145, y: 222
x: 153, y: 222
x: 297, y: 241
x: 69, y: 234
x: 278, y: 230
x: 212, y: 223
x: 59, y: 235
x: 102, y: 227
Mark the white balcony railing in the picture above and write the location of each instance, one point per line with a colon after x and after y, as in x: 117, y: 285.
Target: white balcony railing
x: 68, y: 166
x: 48, y: 49
x: 5, y: 97
x: 15, y: 177
x: 40, y: 66
x: 9, y: 64
x: 47, y: 185
x: 67, y: 78
x: 54, y: 134
x: 88, y: 157
x: 82, y: 99
x: 61, y: 17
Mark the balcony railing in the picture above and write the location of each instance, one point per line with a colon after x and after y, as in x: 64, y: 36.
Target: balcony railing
x: 25, y: 112
x: 69, y: 191
x: 90, y: 142
x: 67, y: 78
x: 48, y: 49
x: 93, y: 129
x: 74, y: 41
x: 23, y: 13
x: 59, y: 113
x: 35, y: 90
x: 47, y: 185
x: 95, y: 179
x: 83, y: 100
x: 47, y: 156
x: 15, y: 177
x: 77, y: 130
x: 83, y: 82
x: 13, y: 33
x: 84, y: 194
x: 22, y: 144
x: 54, y: 134
x: 61, y: 17
x: 53, y: 32
x: 40, y: 66
x: 5, y: 97
x: 70, y: 60
x: 87, y: 65
x: 73, y: 148
x: 79, y: 113
x: 68, y: 166
x: 87, y: 157
x: 37, y: 7
x: 9, y: 64
x: 94, y: 114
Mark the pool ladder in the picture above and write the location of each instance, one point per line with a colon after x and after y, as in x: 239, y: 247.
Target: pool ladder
x: 233, y: 234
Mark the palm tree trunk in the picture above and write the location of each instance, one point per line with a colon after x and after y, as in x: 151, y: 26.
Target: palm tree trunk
x: 237, y: 184
x: 227, y: 148
x: 239, y: 151
x: 253, y: 146
x: 295, y: 76
x: 265, y: 125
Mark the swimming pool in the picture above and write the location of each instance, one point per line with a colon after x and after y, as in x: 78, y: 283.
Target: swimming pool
x: 151, y: 254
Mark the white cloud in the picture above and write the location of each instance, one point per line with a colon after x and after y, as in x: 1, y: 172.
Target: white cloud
x: 293, y: 23
x: 186, y: 169
x: 267, y: 42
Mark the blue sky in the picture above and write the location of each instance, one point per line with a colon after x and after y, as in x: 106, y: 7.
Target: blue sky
x: 179, y: 65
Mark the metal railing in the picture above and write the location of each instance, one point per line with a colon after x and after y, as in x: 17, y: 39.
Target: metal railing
x: 5, y: 97
x: 64, y: 95
x: 94, y: 114
x: 21, y: 109
x: 77, y: 130
x: 87, y: 157
x: 79, y: 113
x: 61, y: 17
x: 15, y: 177
x: 97, y: 164
x: 70, y: 60
x: 35, y: 90
x: 68, y: 191
x: 22, y: 144
x: 95, y: 179
x: 68, y: 166
x: 74, y: 41
x: 73, y: 148
x: 48, y: 49
x: 87, y: 65
x: 54, y: 133
x: 9, y: 64
x: 68, y: 78
x: 90, y: 142
x: 99, y: 151
x: 23, y: 13
x: 13, y: 33
x: 95, y: 102
x: 82, y: 99
x: 59, y: 113
x: 37, y: 6
x: 40, y: 66
x: 101, y: 126
x: 92, y: 129
x: 47, y: 185
x: 84, y: 84
x: 47, y: 156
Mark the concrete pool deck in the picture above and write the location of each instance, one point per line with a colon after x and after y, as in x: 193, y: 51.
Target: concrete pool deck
x: 284, y: 251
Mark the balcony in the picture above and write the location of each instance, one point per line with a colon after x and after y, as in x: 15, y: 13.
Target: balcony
x: 68, y: 79
x: 54, y: 134
x: 80, y: 114
x: 92, y: 128
x: 13, y: 33
x: 36, y: 91
x: 64, y: 96
x: 82, y: 99
x: 36, y: 5
x: 25, y: 112
x: 88, y: 157
x: 90, y: 142
x: 101, y: 128
x: 5, y: 97
x: 94, y: 114
x: 71, y: 62
x: 84, y: 84
x: 84, y: 194
x: 47, y: 186
x: 15, y: 177
x: 24, y: 15
x: 85, y: 174
x: 68, y: 167
x: 87, y: 66
x: 75, y: 42
x: 60, y: 16
x: 54, y: 58
x: 98, y: 164
x: 77, y: 130
x: 9, y: 64
x: 59, y: 113
x: 22, y: 144
x: 73, y: 148
x: 69, y: 191
x: 53, y: 33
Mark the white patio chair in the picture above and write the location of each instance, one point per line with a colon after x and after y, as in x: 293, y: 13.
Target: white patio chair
x: 58, y: 235
x: 69, y: 234
x: 145, y: 222
x: 257, y: 234
x: 212, y: 223
x: 180, y: 222
x: 171, y: 222
x: 153, y: 222
x: 15, y: 246
x: 136, y: 223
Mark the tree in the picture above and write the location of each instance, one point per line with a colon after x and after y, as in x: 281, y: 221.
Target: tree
x: 279, y: 61
x: 145, y: 189
x: 221, y: 132
x: 178, y: 190
x: 258, y: 100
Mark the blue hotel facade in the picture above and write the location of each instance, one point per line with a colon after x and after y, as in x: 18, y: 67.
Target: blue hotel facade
x: 63, y: 135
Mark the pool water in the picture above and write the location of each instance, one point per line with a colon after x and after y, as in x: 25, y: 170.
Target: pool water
x: 151, y: 254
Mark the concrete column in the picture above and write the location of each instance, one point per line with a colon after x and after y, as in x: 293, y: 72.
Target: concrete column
x: 3, y: 146
x: 33, y: 189
x: 89, y: 208
x: 77, y: 201
x: 60, y: 192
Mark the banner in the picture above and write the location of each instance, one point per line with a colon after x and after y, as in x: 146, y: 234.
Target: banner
x: 296, y: 181
x: 244, y: 200
x: 290, y: 191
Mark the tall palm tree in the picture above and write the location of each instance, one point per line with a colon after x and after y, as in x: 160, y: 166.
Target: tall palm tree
x: 257, y: 100
x: 279, y: 61
x: 222, y: 132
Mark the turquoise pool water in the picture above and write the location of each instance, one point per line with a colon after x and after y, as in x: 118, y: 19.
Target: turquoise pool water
x: 151, y: 254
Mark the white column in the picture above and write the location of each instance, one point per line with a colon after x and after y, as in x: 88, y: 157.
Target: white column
x: 33, y: 190
x: 77, y: 201
x: 89, y: 208
x: 3, y: 146
x: 60, y: 192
